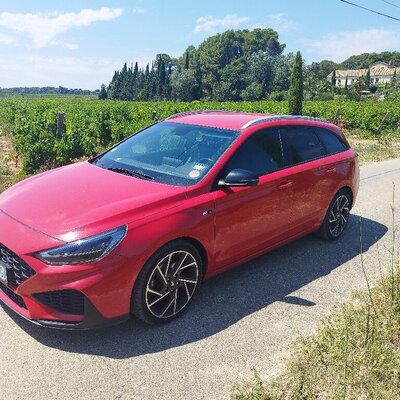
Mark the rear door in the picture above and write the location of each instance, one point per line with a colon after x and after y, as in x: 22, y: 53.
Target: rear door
x: 304, y: 157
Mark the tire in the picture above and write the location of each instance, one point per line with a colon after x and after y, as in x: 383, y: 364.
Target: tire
x: 167, y: 283
x: 336, y: 218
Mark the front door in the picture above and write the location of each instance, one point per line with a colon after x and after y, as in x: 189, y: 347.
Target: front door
x: 250, y: 219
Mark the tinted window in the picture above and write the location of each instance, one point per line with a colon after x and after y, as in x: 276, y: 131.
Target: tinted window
x: 301, y: 144
x: 330, y: 141
x: 261, y: 153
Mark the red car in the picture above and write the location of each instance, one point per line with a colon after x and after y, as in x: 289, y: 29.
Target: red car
x: 136, y: 229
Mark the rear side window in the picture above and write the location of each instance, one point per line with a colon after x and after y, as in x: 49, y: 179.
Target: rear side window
x: 301, y: 144
x: 330, y: 141
x: 261, y: 153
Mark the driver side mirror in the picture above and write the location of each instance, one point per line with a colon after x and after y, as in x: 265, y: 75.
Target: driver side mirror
x: 239, y: 177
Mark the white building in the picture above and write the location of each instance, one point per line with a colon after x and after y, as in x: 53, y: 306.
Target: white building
x: 380, y: 72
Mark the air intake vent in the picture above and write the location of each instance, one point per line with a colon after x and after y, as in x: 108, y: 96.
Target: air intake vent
x: 64, y: 301
x: 18, y: 300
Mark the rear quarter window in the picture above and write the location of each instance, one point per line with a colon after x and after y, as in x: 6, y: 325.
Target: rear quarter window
x: 301, y: 144
x: 330, y: 141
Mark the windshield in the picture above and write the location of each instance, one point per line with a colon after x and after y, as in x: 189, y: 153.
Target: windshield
x: 170, y: 153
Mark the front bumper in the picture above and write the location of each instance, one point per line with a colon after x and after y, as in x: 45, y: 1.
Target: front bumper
x: 64, y: 297
x: 92, y: 319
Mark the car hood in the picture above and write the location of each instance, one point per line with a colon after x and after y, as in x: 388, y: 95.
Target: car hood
x: 82, y: 199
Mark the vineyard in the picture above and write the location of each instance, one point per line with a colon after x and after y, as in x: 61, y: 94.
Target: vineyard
x: 92, y: 125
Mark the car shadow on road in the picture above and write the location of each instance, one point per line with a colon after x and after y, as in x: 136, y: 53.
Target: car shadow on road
x: 223, y: 300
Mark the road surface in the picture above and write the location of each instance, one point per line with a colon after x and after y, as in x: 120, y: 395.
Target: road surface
x: 242, y: 319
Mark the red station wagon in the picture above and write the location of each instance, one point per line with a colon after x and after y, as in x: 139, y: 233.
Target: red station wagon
x: 136, y: 229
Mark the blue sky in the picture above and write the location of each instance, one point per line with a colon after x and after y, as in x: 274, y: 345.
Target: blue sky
x: 80, y: 43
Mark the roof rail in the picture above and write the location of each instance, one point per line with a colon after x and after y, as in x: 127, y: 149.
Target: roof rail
x: 182, y: 114
x: 280, y: 117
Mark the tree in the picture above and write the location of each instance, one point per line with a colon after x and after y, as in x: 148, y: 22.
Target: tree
x: 366, y: 59
x: 282, y: 70
x: 394, y: 79
x: 296, y: 87
x: 333, y: 79
x: 114, y: 88
x: 260, y: 71
x: 187, y: 60
x: 225, y: 63
x: 222, y: 50
x: 233, y: 81
x: 368, y: 78
x: 103, y: 92
x: 184, y: 86
x: 253, y: 92
x: 321, y: 70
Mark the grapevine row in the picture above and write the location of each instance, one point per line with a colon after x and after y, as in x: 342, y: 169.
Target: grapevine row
x: 92, y: 125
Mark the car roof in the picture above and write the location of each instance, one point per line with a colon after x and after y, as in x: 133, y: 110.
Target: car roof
x: 217, y: 119
x: 233, y: 120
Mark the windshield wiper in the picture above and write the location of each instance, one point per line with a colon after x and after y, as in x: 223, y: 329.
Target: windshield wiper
x: 132, y: 173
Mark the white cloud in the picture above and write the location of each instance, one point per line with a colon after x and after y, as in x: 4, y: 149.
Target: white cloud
x: 44, y: 28
x: 280, y: 23
x: 211, y: 24
x: 7, y: 39
x: 71, y: 72
x: 339, y: 46
x: 138, y: 10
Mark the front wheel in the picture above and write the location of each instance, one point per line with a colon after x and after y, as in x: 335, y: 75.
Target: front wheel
x: 167, y: 283
x: 336, y: 217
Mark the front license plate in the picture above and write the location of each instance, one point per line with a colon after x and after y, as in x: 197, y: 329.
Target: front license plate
x: 3, y: 274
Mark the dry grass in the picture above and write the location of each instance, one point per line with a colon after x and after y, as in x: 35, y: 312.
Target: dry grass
x: 354, y: 355
x: 9, y: 166
x: 373, y: 150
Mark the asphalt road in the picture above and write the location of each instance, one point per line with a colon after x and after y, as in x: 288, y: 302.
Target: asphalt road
x: 242, y: 319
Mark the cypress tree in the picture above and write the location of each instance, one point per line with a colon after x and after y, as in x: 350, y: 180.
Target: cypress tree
x: 103, y: 92
x: 134, y: 81
x: 333, y: 80
x: 187, y: 60
x: 199, y: 79
x: 153, y: 82
x: 368, y: 78
x: 147, y: 83
x: 115, y: 86
x: 296, y: 87
x: 161, y: 78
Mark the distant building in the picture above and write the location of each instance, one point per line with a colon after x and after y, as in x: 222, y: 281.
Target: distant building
x: 380, y: 72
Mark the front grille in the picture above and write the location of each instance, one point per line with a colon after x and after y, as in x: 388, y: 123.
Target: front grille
x: 18, y: 271
x: 65, y: 301
x: 13, y: 296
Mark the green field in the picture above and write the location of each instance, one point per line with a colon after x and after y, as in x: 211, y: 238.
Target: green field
x: 92, y: 125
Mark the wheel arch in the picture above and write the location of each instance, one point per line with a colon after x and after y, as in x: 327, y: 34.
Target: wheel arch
x: 200, y: 248
x: 349, y: 191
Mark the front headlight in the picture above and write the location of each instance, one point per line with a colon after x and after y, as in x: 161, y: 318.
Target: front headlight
x: 84, y: 251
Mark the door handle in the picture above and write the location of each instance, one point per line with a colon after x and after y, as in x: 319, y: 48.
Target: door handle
x: 330, y: 171
x: 285, y: 185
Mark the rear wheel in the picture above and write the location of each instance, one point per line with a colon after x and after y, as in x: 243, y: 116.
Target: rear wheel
x: 167, y: 283
x: 336, y: 217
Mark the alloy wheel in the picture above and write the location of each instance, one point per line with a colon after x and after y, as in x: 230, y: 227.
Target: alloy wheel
x: 339, y: 215
x: 172, y: 284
